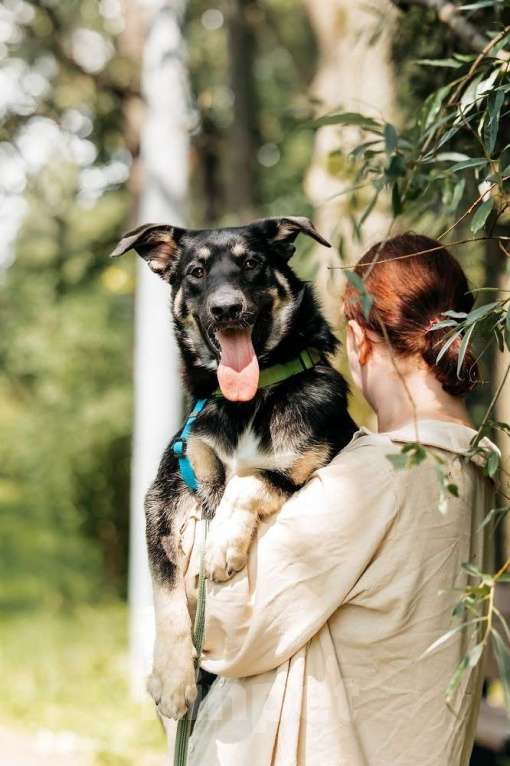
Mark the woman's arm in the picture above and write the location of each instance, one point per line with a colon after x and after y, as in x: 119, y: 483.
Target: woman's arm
x: 302, y: 566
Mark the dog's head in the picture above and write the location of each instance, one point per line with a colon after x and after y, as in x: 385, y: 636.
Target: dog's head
x: 233, y: 294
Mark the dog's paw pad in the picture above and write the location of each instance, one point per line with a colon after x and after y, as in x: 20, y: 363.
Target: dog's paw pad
x: 172, y: 686
x: 154, y: 687
x: 223, y: 560
x: 236, y: 560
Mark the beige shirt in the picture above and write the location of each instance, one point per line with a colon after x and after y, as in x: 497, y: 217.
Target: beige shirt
x: 318, y: 642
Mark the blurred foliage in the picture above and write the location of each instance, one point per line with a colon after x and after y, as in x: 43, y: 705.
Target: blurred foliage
x: 65, y: 353
x: 66, y: 312
x: 284, y: 64
x: 51, y: 662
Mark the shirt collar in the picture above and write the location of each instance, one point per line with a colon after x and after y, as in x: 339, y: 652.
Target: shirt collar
x: 442, y: 434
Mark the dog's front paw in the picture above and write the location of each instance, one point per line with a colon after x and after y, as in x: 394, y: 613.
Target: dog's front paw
x: 173, y: 686
x: 225, y: 555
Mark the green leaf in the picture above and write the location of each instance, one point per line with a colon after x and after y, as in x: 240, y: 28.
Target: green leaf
x: 474, y: 655
x: 444, y: 139
x: 500, y: 425
x: 361, y: 148
x: 481, y: 311
x: 463, y: 348
x: 472, y: 569
x: 471, y: 163
x: 349, y: 118
x: 448, y: 63
x: 369, y: 208
x: 418, y: 455
x: 442, y: 325
x: 493, y: 514
x: 457, y: 677
x: 398, y: 461
x: 366, y: 300
x: 412, y: 453
x: 481, y: 215
x: 449, y: 634
x: 396, y: 167
x: 432, y: 105
x: 457, y: 194
x: 447, y: 345
x: 455, y: 314
x: 366, y: 303
x: 492, y: 464
x: 355, y: 280
x: 390, y: 138
x: 500, y: 338
x: 451, y: 157
x: 494, y: 104
x: 465, y: 57
x: 475, y: 93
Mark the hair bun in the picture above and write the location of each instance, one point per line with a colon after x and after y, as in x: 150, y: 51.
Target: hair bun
x: 413, y: 281
x: 445, y: 369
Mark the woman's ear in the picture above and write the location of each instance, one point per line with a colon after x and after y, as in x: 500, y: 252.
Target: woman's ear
x: 361, y: 342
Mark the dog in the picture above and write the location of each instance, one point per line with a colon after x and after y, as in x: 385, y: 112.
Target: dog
x: 240, y: 313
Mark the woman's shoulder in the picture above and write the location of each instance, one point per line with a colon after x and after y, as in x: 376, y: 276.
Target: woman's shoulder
x: 379, y: 457
x: 367, y: 450
x: 362, y: 464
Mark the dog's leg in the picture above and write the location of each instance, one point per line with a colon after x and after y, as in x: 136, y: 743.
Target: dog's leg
x: 209, y: 472
x: 172, y: 681
x: 246, y: 498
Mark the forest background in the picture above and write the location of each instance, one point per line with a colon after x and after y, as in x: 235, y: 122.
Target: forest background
x: 260, y: 75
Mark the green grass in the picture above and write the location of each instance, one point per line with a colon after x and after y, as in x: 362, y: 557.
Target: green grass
x: 68, y: 672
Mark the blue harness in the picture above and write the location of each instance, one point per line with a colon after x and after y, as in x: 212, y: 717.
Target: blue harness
x: 179, y: 448
x: 269, y: 376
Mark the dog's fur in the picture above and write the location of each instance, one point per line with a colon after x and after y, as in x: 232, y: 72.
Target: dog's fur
x: 248, y: 456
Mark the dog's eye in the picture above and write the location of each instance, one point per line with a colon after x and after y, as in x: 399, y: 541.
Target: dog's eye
x: 197, y: 272
x: 250, y: 263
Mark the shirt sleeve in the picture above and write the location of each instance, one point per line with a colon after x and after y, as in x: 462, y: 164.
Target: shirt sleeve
x: 302, y: 565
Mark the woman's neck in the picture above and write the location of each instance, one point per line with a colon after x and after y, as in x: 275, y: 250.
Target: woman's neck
x: 417, y: 395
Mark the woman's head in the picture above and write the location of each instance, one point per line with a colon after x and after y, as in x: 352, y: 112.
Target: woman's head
x: 410, y: 296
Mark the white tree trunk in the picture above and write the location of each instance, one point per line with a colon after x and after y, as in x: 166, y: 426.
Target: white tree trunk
x: 353, y: 75
x: 158, y: 395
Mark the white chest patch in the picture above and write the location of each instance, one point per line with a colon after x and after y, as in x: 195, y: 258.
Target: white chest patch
x: 248, y: 456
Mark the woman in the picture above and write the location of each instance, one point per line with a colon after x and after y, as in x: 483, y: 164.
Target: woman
x: 318, y: 643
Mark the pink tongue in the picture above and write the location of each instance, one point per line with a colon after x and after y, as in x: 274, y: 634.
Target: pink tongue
x: 238, y: 370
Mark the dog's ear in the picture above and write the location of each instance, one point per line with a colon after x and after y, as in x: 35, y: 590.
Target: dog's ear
x: 283, y: 231
x: 155, y: 243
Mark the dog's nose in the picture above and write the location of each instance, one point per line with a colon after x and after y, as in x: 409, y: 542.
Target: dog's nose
x: 226, y: 309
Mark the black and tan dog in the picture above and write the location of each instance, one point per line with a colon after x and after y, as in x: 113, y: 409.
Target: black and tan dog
x: 240, y: 315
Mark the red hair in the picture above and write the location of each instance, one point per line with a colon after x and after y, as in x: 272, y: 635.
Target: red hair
x: 410, y: 295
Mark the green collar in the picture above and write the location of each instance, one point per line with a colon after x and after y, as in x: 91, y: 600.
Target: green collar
x: 269, y: 376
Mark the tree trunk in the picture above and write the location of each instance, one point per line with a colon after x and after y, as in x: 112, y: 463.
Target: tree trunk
x: 243, y: 134
x: 158, y: 396
x: 354, y: 74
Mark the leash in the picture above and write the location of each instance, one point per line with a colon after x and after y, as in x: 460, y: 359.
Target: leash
x: 268, y: 377
x: 189, y: 477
